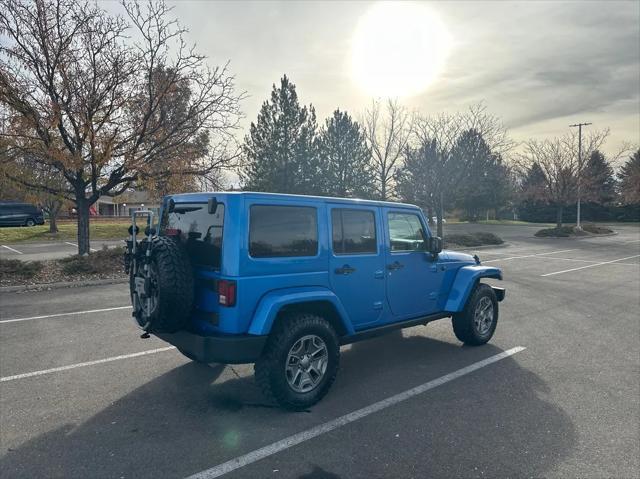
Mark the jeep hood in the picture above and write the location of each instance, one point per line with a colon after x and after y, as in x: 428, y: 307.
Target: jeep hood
x: 458, y: 257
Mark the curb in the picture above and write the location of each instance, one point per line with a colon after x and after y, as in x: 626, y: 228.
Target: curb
x: 60, y: 285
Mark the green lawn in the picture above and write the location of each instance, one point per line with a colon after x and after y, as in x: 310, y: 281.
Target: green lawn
x: 67, y: 232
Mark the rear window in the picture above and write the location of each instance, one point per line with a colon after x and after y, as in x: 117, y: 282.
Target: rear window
x: 276, y: 231
x: 200, y: 231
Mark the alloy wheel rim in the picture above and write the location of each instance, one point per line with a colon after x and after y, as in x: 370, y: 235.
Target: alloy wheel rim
x: 306, y: 363
x: 483, y: 316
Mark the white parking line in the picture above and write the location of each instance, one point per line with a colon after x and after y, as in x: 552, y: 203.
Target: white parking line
x: 74, y: 244
x: 303, y: 436
x: 528, y: 255
x: 590, y: 261
x: 11, y: 249
x: 81, y: 365
x: 590, y: 265
x: 15, y: 320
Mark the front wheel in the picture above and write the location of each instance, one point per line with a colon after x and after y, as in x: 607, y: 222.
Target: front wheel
x: 300, y: 361
x: 30, y: 222
x: 476, y: 324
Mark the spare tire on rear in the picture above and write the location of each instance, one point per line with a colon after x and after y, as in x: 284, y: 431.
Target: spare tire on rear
x: 162, y: 296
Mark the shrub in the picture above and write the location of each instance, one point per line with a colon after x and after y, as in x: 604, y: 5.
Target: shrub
x: 473, y: 239
x: 488, y: 238
x: 107, y: 260
x: 566, y: 231
x: 595, y: 229
x: 562, y: 232
x: 17, y: 268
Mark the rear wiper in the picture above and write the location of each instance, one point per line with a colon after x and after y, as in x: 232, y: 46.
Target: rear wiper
x: 185, y: 209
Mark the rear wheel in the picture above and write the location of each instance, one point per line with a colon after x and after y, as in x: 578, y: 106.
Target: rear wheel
x: 300, y: 361
x: 476, y: 324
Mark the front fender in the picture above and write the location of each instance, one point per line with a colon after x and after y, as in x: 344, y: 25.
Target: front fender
x: 466, y: 279
x: 272, y: 302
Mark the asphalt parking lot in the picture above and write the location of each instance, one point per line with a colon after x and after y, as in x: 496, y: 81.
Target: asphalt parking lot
x: 82, y: 396
x: 50, y: 250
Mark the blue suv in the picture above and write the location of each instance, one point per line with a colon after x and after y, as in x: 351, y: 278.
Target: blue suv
x: 283, y: 280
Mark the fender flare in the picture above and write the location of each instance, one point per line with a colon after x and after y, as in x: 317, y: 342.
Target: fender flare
x: 465, y: 281
x: 272, y: 302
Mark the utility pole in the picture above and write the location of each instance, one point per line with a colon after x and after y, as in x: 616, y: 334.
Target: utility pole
x: 579, y: 125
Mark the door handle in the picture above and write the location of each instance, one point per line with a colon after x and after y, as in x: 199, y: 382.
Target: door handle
x: 346, y: 269
x: 394, y: 266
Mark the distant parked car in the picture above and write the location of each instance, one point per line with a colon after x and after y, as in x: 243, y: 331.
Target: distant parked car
x: 20, y: 214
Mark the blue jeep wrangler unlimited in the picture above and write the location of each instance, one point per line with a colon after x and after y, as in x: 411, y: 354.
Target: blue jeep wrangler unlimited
x: 283, y: 280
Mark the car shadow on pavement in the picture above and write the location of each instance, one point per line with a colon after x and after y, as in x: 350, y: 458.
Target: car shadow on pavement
x: 493, y: 422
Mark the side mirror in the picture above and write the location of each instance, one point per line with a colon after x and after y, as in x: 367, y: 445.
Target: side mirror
x: 434, y: 244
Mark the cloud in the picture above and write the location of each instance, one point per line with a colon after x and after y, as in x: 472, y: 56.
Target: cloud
x: 533, y: 63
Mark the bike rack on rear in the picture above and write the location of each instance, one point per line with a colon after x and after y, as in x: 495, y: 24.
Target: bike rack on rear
x: 132, y: 258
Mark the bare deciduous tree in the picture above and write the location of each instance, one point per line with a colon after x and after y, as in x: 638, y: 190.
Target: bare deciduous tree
x: 85, y: 98
x: 558, y: 160
x: 491, y: 127
x: 388, y: 128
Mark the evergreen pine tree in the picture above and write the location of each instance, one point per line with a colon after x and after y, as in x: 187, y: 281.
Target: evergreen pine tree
x: 279, y: 151
x: 477, y: 168
x: 629, y: 177
x: 345, y: 158
x: 598, y: 180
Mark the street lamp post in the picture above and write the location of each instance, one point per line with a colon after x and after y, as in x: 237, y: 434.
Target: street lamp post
x: 579, y: 125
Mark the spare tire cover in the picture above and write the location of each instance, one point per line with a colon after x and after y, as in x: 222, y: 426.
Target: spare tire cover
x: 164, y: 293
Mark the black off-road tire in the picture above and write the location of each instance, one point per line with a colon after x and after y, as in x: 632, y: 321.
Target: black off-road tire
x: 175, y: 286
x: 270, y: 368
x: 463, y: 323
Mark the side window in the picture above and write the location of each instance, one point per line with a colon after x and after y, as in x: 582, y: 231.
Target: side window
x: 354, y: 231
x: 276, y: 231
x: 405, y: 232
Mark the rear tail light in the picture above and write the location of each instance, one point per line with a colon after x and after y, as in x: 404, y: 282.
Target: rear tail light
x: 226, y: 292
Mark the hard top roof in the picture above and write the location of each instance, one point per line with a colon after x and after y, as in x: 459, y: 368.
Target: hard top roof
x: 204, y: 196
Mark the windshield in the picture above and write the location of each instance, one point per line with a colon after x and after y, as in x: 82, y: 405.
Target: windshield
x: 200, y: 231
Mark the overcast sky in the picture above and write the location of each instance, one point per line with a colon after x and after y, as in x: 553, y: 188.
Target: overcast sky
x: 538, y: 65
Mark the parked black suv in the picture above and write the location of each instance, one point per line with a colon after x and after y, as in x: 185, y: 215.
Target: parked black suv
x: 20, y: 214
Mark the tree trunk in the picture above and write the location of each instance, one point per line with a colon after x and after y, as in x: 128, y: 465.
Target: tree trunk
x: 53, y: 227
x: 559, y: 211
x: 54, y: 210
x: 430, y: 213
x: 439, y: 216
x: 83, y: 227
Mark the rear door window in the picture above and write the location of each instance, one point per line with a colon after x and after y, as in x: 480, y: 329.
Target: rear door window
x: 280, y: 231
x: 354, y: 231
x: 200, y: 231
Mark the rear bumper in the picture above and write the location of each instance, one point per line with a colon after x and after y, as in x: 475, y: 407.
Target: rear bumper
x: 231, y: 349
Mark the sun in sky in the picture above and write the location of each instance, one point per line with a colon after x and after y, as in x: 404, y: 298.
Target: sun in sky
x: 398, y: 49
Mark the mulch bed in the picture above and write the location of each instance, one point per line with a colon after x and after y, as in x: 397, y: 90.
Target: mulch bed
x: 104, y: 264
